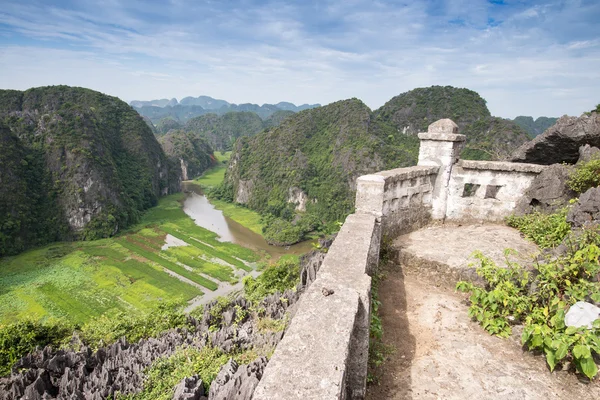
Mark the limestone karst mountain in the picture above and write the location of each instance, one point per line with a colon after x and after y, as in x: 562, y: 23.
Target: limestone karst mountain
x: 75, y: 164
x: 313, y: 158
x: 190, y: 150
x: 561, y: 142
x: 535, y: 127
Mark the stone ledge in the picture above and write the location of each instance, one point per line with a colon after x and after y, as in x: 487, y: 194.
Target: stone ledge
x: 310, y: 362
x: 324, y: 352
x: 501, y: 166
x: 442, y: 137
x: 406, y: 173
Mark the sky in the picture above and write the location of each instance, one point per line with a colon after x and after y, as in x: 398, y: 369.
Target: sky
x: 538, y: 58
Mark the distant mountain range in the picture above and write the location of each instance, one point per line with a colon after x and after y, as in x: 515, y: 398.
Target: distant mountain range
x: 191, y: 107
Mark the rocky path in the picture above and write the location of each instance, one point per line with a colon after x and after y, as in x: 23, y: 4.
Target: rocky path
x: 441, y: 354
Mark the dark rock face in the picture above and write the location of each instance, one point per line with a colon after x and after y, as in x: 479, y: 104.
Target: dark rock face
x: 548, y: 192
x: 84, y: 374
x: 237, y: 382
x: 587, y: 209
x: 561, y: 142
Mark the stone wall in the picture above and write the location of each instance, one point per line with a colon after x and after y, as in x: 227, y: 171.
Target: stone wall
x: 487, y: 190
x: 401, y: 197
x: 324, y: 352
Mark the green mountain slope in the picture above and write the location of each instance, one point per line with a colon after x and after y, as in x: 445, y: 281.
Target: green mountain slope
x: 86, y: 163
x: 413, y: 111
x: 318, y: 152
x: 221, y: 131
x: 190, y: 150
x: 311, y: 161
x: 165, y: 125
x: 537, y: 127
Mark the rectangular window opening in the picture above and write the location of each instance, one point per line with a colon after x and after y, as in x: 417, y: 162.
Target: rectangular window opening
x: 491, y: 191
x: 470, y: 189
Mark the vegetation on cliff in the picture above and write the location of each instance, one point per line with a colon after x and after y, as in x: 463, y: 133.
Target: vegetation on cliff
x: 221, y: 131
x: 165, y: 125
x: 311, y: 161
x: 190, y: 150
x: 413, y: 111
x: 85, y: 163
x: 492, y: 138
x: 318, y: 154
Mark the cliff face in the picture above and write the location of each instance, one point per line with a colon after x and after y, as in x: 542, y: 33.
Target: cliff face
x: 87, y: 163
x: 190, y: 151
x: 561, y: 142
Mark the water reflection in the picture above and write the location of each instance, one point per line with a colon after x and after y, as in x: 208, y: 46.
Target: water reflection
x: 197, y: 206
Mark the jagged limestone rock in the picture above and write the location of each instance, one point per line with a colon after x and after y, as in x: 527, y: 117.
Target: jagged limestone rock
x: 561, y: 142
x: 587, y: 209
x: 548, y: 191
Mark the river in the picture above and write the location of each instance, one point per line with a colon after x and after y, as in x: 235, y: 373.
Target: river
x: 197, y: 206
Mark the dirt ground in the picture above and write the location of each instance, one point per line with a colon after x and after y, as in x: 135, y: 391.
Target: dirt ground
x: 441, y: 354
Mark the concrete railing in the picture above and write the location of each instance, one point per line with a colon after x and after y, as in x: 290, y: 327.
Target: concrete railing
x: 324, y: 352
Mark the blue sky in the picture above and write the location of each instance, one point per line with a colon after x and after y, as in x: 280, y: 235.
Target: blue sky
x: 524, y: 57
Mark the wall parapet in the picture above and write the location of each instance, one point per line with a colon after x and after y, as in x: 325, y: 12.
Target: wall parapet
x: 324, y: 352
x: 505, y: 166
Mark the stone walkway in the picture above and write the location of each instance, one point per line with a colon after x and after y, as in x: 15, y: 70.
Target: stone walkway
x: 440, y: 353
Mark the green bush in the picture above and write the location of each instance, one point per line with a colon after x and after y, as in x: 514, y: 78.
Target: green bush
x: 166, y: 372
x: 540, y: 301
x: 586, y: 176
x: 20, y: 338
x: 284, y: 275
x: 282, y: 233
x: 545, y: 230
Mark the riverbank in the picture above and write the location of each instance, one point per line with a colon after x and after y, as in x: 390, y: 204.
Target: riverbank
x: 213, y: 177
x: 131, y: 272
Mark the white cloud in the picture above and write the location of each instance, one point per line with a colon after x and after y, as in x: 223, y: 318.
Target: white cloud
x: 281, y: 51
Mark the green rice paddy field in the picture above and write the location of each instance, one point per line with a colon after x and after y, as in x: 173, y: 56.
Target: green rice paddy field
x: 130, y: 272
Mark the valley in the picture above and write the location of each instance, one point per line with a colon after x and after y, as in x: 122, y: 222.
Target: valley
x: 165, y: 257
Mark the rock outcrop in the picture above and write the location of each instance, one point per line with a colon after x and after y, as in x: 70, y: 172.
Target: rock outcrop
x: 84, y: 374
x: 548, y: 192
x: 237, y: 381
x: 561, y: 142
x: 588, y: 153
x: 587, y: 209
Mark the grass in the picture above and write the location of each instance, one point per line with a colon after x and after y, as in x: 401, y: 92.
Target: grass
x: 216, y: 174
x: 242, y: 215
x: 82, y: 280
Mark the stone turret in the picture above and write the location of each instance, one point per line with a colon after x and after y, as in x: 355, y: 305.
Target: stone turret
x: 441, y: 146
